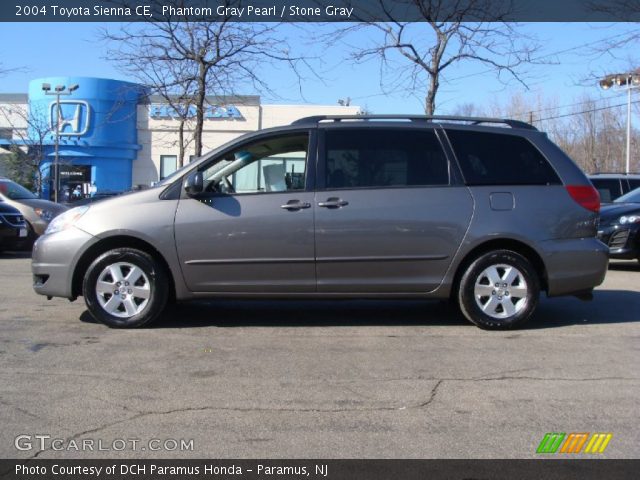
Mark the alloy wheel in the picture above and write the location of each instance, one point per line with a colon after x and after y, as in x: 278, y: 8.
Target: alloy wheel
x: 123, y: 289
x: 501, y: 291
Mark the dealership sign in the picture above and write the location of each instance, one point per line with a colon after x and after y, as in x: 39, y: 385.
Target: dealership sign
x: 74, y: 117
x: 213, y: 112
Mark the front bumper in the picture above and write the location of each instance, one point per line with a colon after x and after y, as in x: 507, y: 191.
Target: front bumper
x: 38, y: 225
x: 12, y: 238
x: 574, y: 265
x: 54, y: 260
x: 623, y: 241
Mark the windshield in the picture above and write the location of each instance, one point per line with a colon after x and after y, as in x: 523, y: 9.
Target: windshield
x: 14, y: 191
x: 631, y: 197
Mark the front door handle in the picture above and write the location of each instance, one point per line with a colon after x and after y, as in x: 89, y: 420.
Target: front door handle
x: 333, y: 202
x: 295, y: 205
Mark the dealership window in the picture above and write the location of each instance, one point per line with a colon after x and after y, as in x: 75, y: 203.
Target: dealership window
x: 168, y: 165
x: 75, y: 182
x: 384, y: 158
x: 276, y: 164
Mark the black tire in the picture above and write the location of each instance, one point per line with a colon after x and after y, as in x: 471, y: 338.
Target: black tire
x: 505, y: 307
x: 153, y: 282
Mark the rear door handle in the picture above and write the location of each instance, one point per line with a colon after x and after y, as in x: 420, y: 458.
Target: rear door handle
x: 333, y: 202
x: 295, y: 205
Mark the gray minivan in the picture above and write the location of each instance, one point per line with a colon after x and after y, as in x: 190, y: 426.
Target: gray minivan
x: 487, y: 212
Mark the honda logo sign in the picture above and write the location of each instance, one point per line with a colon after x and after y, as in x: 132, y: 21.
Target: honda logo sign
x: 74, y: 117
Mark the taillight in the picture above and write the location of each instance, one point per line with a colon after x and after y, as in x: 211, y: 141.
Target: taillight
x: 586, y: 196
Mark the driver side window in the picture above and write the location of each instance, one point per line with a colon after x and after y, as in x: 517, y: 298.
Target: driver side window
x: 276, y: 164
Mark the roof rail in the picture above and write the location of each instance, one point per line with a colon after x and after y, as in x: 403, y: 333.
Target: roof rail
x: 416, y: 118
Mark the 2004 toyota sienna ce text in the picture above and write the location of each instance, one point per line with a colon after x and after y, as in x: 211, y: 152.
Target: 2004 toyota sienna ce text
x: 487, y: 212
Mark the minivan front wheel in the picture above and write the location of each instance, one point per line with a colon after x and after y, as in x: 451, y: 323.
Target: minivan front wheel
x: 499, y: 290
x: 125, y: 288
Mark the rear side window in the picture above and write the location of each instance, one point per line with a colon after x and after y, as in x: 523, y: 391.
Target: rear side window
x: 384, y: 158
x: 495, y: 159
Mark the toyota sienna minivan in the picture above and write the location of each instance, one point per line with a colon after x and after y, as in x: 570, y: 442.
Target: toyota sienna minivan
x: 486, y: 212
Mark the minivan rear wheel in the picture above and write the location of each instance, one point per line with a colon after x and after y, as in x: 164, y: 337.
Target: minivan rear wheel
x: 125, y: 288
x: 499, y: 290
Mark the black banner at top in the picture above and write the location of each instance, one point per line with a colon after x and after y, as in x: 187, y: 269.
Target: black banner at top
x: 319, y: 10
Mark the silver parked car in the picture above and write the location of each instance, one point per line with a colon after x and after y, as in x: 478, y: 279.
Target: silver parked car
x: 488, y: 212
x: 36, y: 211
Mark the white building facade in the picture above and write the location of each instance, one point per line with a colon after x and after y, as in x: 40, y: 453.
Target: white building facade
x: 113, y: 136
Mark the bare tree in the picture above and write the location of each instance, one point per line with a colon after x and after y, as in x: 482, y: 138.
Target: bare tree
x: 468, y: 109
x: 31, y: 129
x: 414, y: 55
x: 597, y: 133
x: 623, y: 45
x: 186, y: 61
x: 161, y: 76
x: 591, y: 131
x: 618, y: 10
x: 5, y: 70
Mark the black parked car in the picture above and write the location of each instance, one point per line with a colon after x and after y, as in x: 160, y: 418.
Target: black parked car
x: 611, y: 186
x: 620, y: 226
x: 13, y: 229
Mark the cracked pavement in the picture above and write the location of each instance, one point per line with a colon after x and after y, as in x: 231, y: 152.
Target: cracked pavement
x: 348, y: 379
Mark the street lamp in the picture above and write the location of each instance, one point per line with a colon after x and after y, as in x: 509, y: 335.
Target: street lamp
x: 630, y: 80
x: 59, y: 90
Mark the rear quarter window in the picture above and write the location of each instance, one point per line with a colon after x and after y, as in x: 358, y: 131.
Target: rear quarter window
x: 497, y: 159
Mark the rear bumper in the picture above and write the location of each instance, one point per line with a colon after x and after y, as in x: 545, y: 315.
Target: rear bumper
x: 574, y: 265
x: 54, y: 259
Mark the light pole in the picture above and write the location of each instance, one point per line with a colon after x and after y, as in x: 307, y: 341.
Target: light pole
x: 630, y: 80
x: 59, y: 91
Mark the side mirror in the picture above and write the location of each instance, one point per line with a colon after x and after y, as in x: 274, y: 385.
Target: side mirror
x: 194, y: 184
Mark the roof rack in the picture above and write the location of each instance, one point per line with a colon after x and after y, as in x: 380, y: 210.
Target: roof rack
x: 416, y: 118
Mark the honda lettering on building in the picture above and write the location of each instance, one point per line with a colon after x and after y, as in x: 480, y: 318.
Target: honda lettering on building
x: 212, y: 112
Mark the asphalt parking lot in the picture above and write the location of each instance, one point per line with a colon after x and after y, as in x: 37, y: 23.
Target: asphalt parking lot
x: 316, y: 379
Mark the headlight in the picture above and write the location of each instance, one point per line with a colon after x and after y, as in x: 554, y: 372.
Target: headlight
x: 629, y: 219
x: 46, y: 215
x: 66, y: 220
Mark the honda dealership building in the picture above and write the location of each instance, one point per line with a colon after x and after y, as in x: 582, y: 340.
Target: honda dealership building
x: 113, y: 135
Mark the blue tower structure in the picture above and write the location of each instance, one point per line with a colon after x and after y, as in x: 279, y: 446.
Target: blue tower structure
x: 97, y: 133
